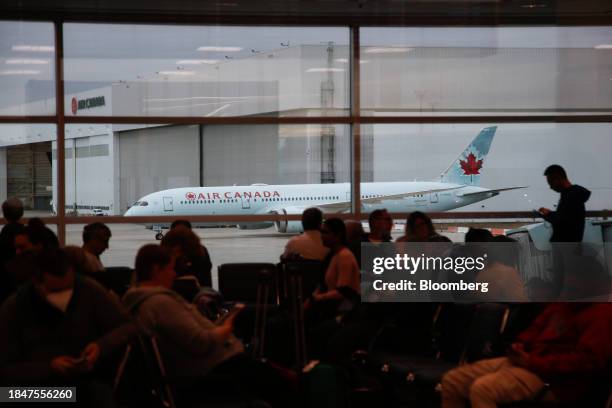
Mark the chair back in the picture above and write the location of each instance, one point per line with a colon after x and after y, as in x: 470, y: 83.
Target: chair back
x: 485, y: 333
x: 239, y: 281
x: 115, y: 278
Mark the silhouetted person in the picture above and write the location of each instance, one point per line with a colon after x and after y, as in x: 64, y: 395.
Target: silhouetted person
x: 193, y: 264
x: 58, y: 327
x: 501, y: 273
x: 183, y: 223
x: 308, y: 245
x: 95, y: 241
x: 36, y: 236
x: 12, y: 210
x: 29, y: 241
x: 478, y: 235
x: 419, y: 228
x: 192, y: 347
x: 339, y: 288
x: 568, y: 220
x: 380, y: 224
x: 567, y: 347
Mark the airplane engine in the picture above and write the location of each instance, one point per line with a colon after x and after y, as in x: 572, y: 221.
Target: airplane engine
x: 286, y: 226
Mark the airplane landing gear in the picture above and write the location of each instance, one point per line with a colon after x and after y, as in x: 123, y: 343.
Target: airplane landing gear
x: 158, y: 232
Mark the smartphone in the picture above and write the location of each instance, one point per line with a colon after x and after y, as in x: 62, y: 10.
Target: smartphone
x: 237, y: 308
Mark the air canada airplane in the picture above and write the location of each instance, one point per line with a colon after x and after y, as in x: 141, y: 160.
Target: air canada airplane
x: 457, y: 186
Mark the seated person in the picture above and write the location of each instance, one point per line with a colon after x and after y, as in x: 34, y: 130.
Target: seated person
x: 31, y: 240
x: 309, y: 244
x: 339, y: 289
x: 568, y: 346
x: 374, y: 244
x: 180, y: 223
x: 419, y: 228
x: 57, y: 328
x: 192, y: 261
x: 12, y: 210
x: 35, y: 237
x: 478, y: 235
x: 193, y: 348
x: 95, y: 241
x: 501, y: 273
x: 380, y: 224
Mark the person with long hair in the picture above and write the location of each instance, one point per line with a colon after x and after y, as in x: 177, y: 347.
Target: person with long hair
x: 192, y: 258
x: 343, y: 270
x: 419, y: 228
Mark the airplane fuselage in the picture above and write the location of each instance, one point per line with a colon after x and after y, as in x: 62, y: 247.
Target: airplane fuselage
x: 293, y: 198
x: 457, y: 186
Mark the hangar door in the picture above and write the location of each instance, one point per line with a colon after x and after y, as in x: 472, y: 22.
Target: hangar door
x: 29, y: 174
x: 158, y: 158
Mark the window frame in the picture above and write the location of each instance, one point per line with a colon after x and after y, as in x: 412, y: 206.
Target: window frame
x: 354, y: 119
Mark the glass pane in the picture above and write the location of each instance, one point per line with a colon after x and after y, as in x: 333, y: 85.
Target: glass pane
x: 27, y: 68
x: 446, y: 161
x: 147, y: 70
x: 182, y: 170
x: 25, y: 166
x: 486, y: 70
x: 222, y: 244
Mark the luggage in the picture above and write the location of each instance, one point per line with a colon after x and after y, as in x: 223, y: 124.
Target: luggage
x: 264, y: 289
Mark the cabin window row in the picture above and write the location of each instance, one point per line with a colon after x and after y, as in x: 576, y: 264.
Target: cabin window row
x: 262, y: 199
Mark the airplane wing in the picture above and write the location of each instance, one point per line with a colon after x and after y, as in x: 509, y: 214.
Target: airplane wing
x: 339, y: 206
x: 491, y: 192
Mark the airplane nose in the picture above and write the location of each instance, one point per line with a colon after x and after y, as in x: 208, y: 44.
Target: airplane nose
x: 130, y: 212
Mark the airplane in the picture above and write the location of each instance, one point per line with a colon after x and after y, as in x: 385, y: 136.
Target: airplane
x: 457, y: 186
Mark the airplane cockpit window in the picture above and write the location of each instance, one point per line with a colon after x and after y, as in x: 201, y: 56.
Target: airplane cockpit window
x: 144, y: 203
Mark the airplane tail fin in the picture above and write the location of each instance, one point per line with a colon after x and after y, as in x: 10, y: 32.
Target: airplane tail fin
x: 467, y: 168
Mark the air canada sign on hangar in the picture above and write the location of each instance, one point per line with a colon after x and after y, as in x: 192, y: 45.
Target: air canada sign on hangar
x: 77, y: 105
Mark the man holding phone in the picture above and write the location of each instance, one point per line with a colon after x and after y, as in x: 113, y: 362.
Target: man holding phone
x: 568, y: 219
x: 193, y: 347
x: 56, y: 328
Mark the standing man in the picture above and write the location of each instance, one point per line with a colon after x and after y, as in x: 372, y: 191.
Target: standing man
x: 568, y: 220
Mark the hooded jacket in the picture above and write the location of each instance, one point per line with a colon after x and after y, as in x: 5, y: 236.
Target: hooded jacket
x: 568, y: 220
x: 188, y: 345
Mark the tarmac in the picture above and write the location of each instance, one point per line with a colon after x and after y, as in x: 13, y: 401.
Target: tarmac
x: 225, y: 245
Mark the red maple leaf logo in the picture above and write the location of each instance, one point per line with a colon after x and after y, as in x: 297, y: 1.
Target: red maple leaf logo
x: 190, y: 196
x: 471, y: 165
